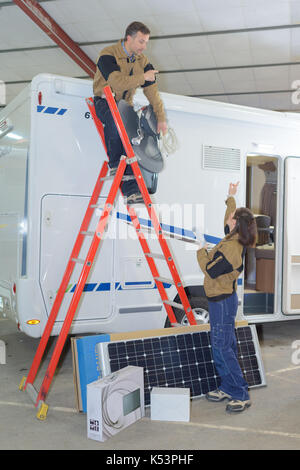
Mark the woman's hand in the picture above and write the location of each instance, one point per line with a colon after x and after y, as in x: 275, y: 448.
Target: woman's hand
x: 233, y: 189
x: 202, y: 244
x: 163, y: 127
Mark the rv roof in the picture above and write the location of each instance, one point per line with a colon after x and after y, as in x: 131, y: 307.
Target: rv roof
x: 82, y: 87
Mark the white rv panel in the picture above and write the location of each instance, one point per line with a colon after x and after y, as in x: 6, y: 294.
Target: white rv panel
x: 291, y: 254
x: 61, y: 217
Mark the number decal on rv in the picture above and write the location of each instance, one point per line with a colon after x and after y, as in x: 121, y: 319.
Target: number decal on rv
x: 87, y: 115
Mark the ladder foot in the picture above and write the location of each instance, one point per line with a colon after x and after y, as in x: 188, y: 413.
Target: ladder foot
x: 42, y: 412
x: 22, y: 383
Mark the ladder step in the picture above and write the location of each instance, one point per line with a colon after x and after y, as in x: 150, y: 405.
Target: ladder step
x: 124, y: 178
x: 164, y: 279
x: 176, y: 324
x: 99, y: 206
x: 128, y: 178
x: 78, y: 260
x: 107, y: 178
x: 155, y: 255
x: 174, y: 304
x: 89, y: 234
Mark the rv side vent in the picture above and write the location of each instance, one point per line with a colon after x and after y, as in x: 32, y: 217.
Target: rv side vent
x: 221, y: 158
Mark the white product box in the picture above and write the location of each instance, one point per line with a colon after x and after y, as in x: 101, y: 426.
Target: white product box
x: 115, y: 402
x: 170, y: 404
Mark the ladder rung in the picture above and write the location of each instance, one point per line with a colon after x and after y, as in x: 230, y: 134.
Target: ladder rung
x: 164, y: 279
x: 124, y: 178
x: 78, y: 260
x: 128, y: 178
x: 176, y: 324
x: 155, y: 255
x: 90, y: 234
x: 174, y: 304
x: 99, y: 206
x: 105, y: 178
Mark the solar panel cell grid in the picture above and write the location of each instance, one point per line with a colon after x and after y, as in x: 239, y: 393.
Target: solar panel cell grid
x: 182, y: 360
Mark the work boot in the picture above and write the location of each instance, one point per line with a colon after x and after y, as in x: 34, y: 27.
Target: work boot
x: 236, y: 406
x: 135, y: 198
x: 217, y: 395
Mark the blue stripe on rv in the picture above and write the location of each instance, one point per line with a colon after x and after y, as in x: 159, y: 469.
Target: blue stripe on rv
x: 167, y: 228
x: 170, y: 228
x: 106, y: 286
x: 51, y: 110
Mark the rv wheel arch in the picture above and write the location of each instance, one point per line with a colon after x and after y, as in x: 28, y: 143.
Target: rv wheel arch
x: 200, y: 309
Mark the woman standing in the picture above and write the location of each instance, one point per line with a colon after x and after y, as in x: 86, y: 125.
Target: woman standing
x: 222, y: 266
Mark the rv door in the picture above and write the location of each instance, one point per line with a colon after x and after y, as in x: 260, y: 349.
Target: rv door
x: 60, y: 222
x: 291, y: 240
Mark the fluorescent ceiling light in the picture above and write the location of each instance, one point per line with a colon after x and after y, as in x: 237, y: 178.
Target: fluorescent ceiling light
x: 14, y: 136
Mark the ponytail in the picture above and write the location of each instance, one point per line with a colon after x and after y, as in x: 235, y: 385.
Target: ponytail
x: 245, y: 227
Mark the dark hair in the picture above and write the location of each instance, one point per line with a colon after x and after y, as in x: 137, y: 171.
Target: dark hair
x: 135, y: 27
x: 245, y: 227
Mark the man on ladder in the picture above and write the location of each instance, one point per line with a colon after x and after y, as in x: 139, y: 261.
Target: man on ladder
x: 124, y: 68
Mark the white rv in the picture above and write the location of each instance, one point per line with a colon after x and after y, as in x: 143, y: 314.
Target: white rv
x: 50, y: 157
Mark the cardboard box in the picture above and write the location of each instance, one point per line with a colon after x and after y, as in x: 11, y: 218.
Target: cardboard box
x: 115, y: 402
x: 85, y: 365
x: 265, y: 275
x: 170, y: 404
x: 265, y: 268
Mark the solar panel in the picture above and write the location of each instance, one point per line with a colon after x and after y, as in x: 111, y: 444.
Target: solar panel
x: 249, y: 356
x: 181, y: 360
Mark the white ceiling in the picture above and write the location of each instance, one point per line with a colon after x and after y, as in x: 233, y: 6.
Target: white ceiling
x: 238, y: 66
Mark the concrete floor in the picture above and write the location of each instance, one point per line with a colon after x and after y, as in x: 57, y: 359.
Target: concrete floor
x: 272, y: 422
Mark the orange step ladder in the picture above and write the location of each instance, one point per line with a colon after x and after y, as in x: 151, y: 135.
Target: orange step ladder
x: 38, y: 397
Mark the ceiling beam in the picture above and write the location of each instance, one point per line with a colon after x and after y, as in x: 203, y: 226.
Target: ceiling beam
x: 41, y: 18
x: 11, y: 3
x: 168, y: 36
x: 153, y: 38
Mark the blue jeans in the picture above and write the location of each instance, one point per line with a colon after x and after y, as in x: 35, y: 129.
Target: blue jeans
x: 224, y: 347
x: 114, y: 144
